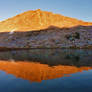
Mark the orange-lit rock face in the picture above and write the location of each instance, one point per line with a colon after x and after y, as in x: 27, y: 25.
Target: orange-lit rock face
x: 38, y: 72
x: 35, y: 20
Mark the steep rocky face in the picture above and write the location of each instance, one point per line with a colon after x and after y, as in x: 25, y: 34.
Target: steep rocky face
x: 36, y: 20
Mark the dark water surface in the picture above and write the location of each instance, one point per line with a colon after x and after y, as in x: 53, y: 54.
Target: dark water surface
x: 46, y: 70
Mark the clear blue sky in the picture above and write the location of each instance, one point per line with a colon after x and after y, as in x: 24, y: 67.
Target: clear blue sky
x: 81, y: 9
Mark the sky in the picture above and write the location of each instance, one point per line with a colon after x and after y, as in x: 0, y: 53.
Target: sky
x: 80, y: 9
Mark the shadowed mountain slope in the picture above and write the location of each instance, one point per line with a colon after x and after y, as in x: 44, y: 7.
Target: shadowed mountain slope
x: 51, y: 37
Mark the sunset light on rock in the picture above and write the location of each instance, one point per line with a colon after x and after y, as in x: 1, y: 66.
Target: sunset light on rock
x: 45, y: 45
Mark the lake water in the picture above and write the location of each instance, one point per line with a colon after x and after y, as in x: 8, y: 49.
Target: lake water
x: 46, y: 70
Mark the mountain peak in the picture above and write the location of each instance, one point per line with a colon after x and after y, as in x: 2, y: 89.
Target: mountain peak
x: 38, y: 10
x: 37, y: 20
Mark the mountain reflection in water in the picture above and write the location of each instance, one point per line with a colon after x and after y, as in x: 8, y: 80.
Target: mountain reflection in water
x: 44, y: 64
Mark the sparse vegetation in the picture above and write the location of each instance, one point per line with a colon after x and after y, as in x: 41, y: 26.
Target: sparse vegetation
x: 77, y: 35
x: 72, y: 37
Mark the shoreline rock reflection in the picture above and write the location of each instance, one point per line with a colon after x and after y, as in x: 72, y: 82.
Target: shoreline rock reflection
x: 52, y: 57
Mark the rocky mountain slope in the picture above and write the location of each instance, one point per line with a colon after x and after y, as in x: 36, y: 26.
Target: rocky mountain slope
x: 36, y: 20
x: 40, y: 29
